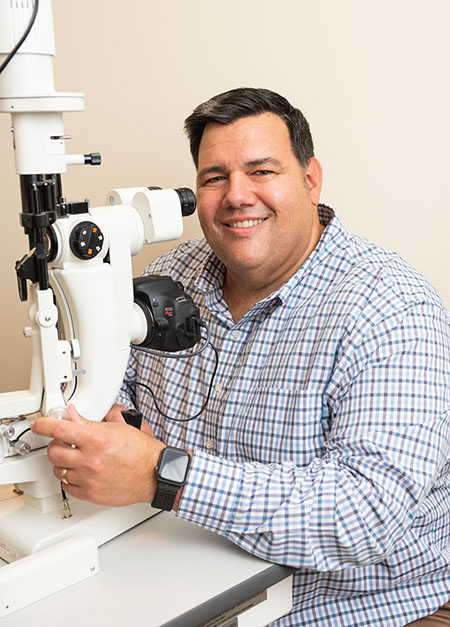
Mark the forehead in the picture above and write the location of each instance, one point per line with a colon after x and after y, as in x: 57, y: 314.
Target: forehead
x: 257, y: 136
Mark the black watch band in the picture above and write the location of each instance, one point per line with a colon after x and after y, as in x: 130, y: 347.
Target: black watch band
x: 165, y: 496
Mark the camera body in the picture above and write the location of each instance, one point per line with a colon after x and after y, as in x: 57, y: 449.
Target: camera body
x: 173, y: 320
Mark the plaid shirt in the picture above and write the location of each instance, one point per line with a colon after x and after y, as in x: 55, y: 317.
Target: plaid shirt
x: 326, y: 441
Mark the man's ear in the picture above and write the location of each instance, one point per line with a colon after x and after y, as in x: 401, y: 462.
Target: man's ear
x: 313, y: 175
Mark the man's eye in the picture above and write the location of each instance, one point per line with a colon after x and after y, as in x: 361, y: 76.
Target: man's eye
x: 214, y: 179
x: 262, y: 172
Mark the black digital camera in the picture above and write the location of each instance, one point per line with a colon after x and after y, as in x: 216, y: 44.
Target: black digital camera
x: 173, y: 320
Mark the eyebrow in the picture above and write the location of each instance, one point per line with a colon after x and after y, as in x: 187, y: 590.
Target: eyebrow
x: 221, y: 169
x: 265, y: 161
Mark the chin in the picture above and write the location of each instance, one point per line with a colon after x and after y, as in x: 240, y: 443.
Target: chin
x: 244, y: 266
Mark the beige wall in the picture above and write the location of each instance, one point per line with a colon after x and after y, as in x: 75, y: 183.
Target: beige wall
x: 372, y: 77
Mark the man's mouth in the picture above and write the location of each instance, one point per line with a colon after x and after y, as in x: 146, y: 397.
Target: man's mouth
x: 245, y: 224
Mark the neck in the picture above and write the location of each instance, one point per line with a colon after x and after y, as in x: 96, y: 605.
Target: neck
x: 241, y: 297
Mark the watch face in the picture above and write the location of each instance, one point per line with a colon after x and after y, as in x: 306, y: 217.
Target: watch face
x: 174, y: 465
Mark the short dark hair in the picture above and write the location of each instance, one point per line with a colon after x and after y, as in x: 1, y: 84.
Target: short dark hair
x: 244, y: 102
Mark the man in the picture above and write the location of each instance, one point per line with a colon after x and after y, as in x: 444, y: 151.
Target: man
x: 325, y: 443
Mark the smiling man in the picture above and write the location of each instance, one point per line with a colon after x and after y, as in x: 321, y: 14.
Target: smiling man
x: 326, y: 440
x: 257, y: 205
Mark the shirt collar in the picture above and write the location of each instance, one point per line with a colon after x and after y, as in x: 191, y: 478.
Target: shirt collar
x: 332, y: 237
x: 211, y: 275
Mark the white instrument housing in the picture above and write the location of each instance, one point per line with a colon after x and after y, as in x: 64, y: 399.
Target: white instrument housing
x: 81, y: 325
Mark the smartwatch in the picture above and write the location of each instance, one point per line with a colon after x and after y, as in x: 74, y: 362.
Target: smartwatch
x: 171, y: 473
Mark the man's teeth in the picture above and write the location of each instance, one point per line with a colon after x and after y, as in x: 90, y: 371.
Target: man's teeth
x: 245, y: 223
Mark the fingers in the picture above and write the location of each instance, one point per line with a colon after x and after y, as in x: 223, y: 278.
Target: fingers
x: 145, y: 428
x: 67, y: 476
x: 67, y: 431
x: 115, y: 413
x: 64, y: 430
x: 63, y: 456
x: 75, y: 416
x: 70, y: 489
x: 111, y: 462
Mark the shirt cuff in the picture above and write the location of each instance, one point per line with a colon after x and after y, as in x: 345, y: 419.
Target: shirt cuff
x: 210, y: 494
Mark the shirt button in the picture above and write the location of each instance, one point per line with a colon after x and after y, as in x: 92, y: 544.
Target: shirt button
x: 209, y: 444
x: 235, y: 334
x: 218, y: 388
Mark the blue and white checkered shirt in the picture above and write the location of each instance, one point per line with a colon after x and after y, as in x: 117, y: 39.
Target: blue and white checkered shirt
x: 326, y: 442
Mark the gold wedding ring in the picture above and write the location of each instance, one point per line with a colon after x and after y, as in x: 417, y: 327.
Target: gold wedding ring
x: 64, y: 476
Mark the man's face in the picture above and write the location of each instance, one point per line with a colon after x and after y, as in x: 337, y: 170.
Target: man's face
x: 256, y: 204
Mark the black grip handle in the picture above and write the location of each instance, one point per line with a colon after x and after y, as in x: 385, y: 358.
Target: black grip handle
x: 132, y: 417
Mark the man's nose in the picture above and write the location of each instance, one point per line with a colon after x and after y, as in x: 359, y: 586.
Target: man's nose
x: 240, y: 191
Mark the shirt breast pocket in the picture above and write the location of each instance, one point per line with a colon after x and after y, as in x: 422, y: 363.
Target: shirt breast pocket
x: 277, y: 424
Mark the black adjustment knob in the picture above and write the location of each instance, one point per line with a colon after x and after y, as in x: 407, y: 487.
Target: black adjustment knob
x: 162, y: 324
x: 93, y: 158
x: 86, y: 240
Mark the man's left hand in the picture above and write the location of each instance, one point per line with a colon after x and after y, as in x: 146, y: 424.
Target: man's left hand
x: 112, y: 463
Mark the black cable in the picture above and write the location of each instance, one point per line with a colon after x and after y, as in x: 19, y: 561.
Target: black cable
x: 147, y: 387
x: 19, y: 436
x: 22, y: 39
x: 165, y: 355
x: 66, y: 513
